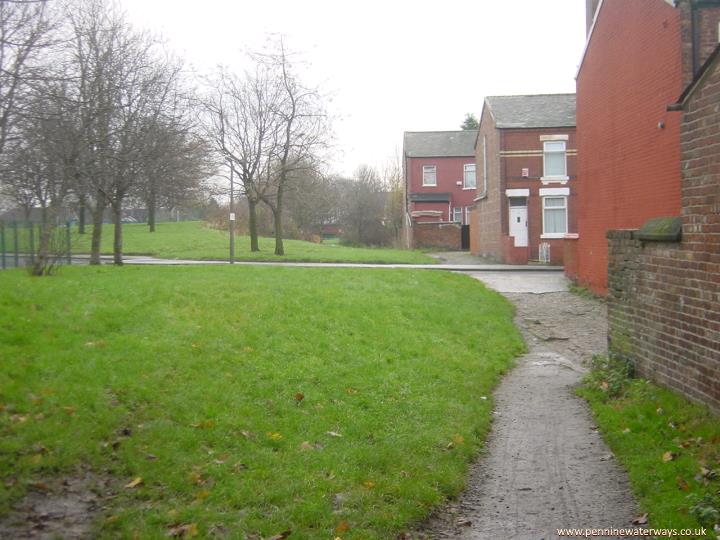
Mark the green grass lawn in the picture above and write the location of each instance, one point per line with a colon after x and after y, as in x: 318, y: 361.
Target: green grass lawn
x: 329, y: 402
x: 669, y: 446
x: 195, y: 240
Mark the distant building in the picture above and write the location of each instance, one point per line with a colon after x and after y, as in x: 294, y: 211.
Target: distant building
x: 440, y: 184
x: 527, y: 184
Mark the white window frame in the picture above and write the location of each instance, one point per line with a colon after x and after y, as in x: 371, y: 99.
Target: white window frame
x: 427, y: 169
x: 465, y: 172
x: 468, y: 210
x: 457, y: 212
x: 557, y: 177
x: 564, y: 207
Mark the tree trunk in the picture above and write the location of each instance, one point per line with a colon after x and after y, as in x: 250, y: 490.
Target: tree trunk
x: 43, y: 264
x: 151, y: 212
x: 81, y: 216
x: 97, y: 217
x: 277, y: 215
x: 117, y: 239
x: 252, y: 225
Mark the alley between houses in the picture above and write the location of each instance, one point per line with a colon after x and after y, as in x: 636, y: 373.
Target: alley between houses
x: 545, y: 465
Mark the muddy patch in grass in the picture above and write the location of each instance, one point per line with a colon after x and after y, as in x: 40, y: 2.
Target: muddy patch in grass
x: 58, y: 508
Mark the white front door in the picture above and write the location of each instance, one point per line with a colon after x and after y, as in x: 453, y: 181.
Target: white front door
x: 518, y: 225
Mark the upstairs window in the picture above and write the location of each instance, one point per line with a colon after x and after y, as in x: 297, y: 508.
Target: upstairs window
x: 429, y: 175
x: 469, y: 178
x: 555, y: 160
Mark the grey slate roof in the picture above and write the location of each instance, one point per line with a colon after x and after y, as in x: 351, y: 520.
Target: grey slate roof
x: 440, y: 143
x: 535, y: 111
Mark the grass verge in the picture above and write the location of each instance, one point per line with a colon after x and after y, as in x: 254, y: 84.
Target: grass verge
x: 328, y: 402
x: 195, y: 240
x: 669, y: 446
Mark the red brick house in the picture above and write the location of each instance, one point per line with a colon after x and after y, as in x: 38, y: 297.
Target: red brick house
x: 440, y: 184
x: 639, y: 57
x: 527, y: 184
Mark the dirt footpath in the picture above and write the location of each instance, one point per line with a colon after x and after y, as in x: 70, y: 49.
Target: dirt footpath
x: 545, y: 466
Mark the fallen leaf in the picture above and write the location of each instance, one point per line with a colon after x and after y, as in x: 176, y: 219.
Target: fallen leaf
x: 342, y: 527
x: 369, y: 484
x: 202, y: 494
x: 668, y: 456
x: 299, y: 397
x: 196, y: 478
x: 239, y: 467
x: 405, y: 474
x: 150, y: 457
x: 458, y: 439
x: 640, y: 520
x: 275, y: 436
x: 351, y: 391
x: 246, y: 434
x: 604, y: 385
x: 112, y: 519
x: 682, y: 483
x: 135, y: 482
x: 659, y: 410
x: 306, y: 446
x: 463, y: 522
x: 281, y: 536
x: 450, y: 446
x: 69, y: 410
x: 205, y: 424
x: 333, y: 434
x: 42, y: 486
x: 626, y: 430
x: 187, y: 530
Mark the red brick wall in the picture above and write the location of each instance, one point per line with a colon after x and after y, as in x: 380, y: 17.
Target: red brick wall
x: 487, y: 212
x: 449, y: 171
x: 630, y: 168
x: 664, y: 299
x: 437, y: 235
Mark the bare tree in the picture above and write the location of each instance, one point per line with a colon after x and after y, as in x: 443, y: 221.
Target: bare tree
x: 363, y: 205
x: 393, y: 184
x: 24, y: 25
x: 129, y: 95
x: 174, y: 171
x: 244, y: 127
x: 303, y: 135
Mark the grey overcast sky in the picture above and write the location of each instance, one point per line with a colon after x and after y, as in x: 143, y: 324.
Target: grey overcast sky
x: 390, y: 66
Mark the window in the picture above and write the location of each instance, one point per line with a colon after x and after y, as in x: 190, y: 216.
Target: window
x: 468, y: 209
x: 457, y: 214
x: 469, y: 179
x: 429, y: 175
x: 555, y: 162
x: 554, y: 217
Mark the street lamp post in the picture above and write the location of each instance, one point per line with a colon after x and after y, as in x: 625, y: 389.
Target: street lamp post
x: 232, y: 217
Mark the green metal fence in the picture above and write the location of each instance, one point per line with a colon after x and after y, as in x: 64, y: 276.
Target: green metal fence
x: 19, y: 243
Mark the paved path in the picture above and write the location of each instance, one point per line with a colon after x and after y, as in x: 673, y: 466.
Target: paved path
x: 545, y: 465
x: 467, y: 267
